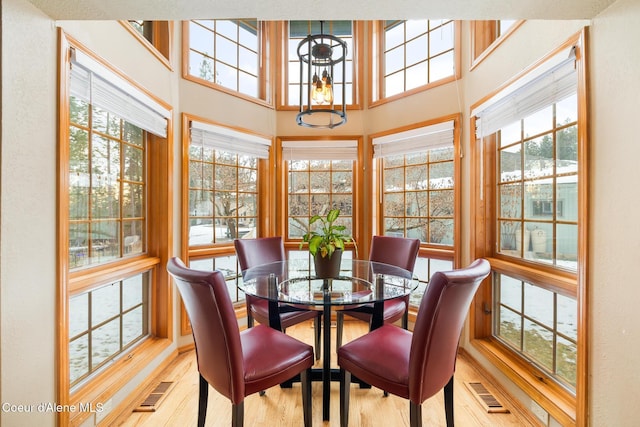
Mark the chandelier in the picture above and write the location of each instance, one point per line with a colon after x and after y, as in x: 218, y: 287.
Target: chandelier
x: 318, y: 55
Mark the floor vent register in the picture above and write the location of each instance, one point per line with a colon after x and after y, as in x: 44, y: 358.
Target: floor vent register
x: 155, y: 398
x: 486, y: 399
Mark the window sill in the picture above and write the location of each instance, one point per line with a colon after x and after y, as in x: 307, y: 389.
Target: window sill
x: 559, y: 403
x: 106, y: 384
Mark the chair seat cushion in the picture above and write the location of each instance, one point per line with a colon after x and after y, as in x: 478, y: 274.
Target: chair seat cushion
x: 393, y: 311
x: 388, y: 366
x: 271, y: 357
x: 260, y: 311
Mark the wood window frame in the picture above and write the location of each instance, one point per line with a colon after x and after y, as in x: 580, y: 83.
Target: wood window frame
x: 376, y: 64
x: 266, y: 69
x: 281, y: 223
x: 161, y: 41
x: 485, y: 39
x: 562, y: 405
x: 426, y: 250
x: 108, y: 381
x: 283, y: 69
x: 266, y: 209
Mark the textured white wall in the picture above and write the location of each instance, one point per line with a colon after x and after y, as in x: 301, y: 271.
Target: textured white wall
x: 28, y: 199
x: 614, y: 229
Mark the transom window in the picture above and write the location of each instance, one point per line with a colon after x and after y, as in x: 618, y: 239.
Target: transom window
x: 486, y: 36
x: 297, y: 31
x: 226, y: 53
x: 414, y: 54
x: 157, y: 35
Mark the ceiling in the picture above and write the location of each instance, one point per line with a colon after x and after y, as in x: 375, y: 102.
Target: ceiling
x: 327, y: 9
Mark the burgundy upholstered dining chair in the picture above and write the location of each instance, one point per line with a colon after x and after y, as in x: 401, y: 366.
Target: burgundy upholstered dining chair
x: 416, y: 365
x: 397, y: 251
x: 264, y: 250
x: 234, y: 363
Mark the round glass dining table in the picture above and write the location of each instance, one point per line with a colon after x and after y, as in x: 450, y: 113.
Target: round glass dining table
x: 361, y: 285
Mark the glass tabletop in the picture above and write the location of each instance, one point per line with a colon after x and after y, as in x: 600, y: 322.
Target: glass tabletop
x: 359, y: 282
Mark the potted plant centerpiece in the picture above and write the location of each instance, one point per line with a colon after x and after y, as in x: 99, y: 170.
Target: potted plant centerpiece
x: 326, y: 243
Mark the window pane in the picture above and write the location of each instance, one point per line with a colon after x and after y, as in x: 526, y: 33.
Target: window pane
x: 440, y: 232
x: 567, y: 110
x: 441, y: 39
x: 201, y: 66
x: 539, y: 157
x: 394, y: 204
x: 394, y: 84
x: 539, y: 304
x: 538, y: 344
x: 200, y: 39
x: 105, y: 342
x: 228, y: 29
x: 132, y: 292
x: 511, y: 164
x: 511, y: 293
x: 315, y: 187
x: 441, y: 66
x: 78, y: 358
x: 417, y: 75
x: 416, y: 50
x: 226, y: 76
x: 567, y: 245
x: 223, y: 197
x: 133, y: 164
x: 107, y: 298
x: 509, y: 327
x: 78, y: 314
x: 226, y: 53
x: 567, y: 357
x: 132, y: 326
x: 567, y: 317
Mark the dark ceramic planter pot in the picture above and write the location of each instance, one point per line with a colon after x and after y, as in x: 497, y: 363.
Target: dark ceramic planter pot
x: 329, y: 267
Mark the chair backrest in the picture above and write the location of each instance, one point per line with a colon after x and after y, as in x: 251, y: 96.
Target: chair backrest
x: 399, y: 251
x: 263, y: 250
x: 215, y: 329
x: 438, y: 326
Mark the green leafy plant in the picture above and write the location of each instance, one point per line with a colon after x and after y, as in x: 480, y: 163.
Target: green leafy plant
x: 328, y: 237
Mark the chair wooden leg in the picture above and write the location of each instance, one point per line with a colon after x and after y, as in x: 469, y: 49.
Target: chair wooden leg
x: 448, y: 402
x: 305, y: 382
x: 318, y: 330
x: 415, y: 414
x: 339, y: 325
x: 345, y: 391
x: 203, y: 399
x: 237, y: 415
x: 249, y: 318
x: 405, y: 319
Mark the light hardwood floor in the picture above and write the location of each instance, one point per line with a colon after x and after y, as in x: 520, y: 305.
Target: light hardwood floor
x: 282, y: 407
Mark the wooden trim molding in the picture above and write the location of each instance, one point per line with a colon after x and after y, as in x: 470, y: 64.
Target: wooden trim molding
x: 566, y: 406
x: 106, y: 382
x: 162, y: 35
